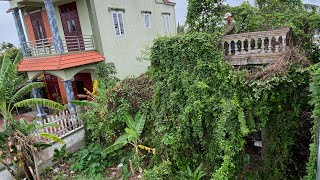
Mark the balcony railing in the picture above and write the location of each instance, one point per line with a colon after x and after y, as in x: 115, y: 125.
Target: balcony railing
x: 256, y: 48
x: 45, y: 47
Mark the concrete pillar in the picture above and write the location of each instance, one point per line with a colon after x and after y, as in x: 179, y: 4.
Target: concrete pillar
x: 57, y: 42
x: 41, y: 112
x: 21, y: 35
x: 70, y: 94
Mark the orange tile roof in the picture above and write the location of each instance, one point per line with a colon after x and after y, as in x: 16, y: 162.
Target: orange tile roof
x: 59, y: 62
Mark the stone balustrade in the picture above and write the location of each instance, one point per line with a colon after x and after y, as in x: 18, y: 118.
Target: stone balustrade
x: 256, y: 48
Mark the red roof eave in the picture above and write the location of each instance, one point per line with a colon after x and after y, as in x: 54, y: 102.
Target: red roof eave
x: 59, y: 62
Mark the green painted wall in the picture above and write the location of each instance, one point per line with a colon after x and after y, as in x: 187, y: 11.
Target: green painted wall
x: 123, y: 50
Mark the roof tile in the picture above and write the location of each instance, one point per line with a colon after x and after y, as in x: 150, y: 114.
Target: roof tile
x: 59, y: 62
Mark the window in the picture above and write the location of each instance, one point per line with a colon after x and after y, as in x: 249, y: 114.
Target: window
x: 166, y: 22
x: 147, y: 20
x: 118, y: 23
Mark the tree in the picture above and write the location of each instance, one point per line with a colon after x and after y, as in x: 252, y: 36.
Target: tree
x: 204, y: 15
x: 11, y: 92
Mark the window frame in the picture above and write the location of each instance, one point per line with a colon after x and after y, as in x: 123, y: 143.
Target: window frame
x: 166, y: 22
x: 148, y: 14
x: 118, y: 22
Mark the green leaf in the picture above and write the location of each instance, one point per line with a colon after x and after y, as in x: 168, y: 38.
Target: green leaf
x: 129, y: 121
x: 44, y: 102
x: 132, y: 134
x: 25, y: 90
x: 140, y: 121
x: 114, y: 147
x: 123, y: 137
x: 84, y: 103
x: 52, y: 137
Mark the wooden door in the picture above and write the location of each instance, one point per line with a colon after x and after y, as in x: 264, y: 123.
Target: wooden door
x: 38, y: 28
x: 71, y: 26
x: 81, y: 81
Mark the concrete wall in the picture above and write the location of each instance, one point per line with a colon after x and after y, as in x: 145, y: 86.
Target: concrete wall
x: 123, y: 50
x: 74, y: 141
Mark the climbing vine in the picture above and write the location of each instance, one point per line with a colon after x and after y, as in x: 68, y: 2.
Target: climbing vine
x: 198, y: 105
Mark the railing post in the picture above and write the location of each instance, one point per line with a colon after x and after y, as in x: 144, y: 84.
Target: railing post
x: 262, y: 45
x: 230, y: 48
x: 256, y: 45
x: 93, y: 45
x: 242, y: 47
x: 277, y: 45
x: 78, y: 43
x: 43, y: 47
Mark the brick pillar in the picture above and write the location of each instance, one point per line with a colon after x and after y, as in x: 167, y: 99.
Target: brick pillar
x: 21, y: 35
x: 70, y: 95
x: 57, y: 42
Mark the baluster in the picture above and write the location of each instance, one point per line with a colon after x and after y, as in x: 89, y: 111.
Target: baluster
x: 242, y: 47
x: 269, y: 49
x: 256, y: 46
x: 277, y: 45
x: 66, y: 130
x: 230, y: 48
x: 262, y: 45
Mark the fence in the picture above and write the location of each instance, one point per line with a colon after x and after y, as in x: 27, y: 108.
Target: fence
x: 59, y: 125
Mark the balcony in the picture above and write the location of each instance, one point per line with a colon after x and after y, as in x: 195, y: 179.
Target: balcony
x: 256, y: 48
x: 45, y: 47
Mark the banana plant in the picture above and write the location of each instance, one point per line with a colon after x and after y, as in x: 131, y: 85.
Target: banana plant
x: 131, y: 136
x: 12, y: 93
x: 19, y: 145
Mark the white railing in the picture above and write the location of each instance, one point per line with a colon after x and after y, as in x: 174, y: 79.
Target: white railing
x: 70, y: 44
x: 63, y: 124
x: 262, y: 42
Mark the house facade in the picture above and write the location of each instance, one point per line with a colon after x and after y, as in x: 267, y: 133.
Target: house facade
x: 63, y: 40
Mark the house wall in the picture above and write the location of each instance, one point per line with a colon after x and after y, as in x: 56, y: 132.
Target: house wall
x: 82, y: 12
x: 123, y: 50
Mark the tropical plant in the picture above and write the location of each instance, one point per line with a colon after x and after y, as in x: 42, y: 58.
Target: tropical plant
x: 188, y: 174
x: 90, y: 160
x: 18, y: 145
x: 62, y: 155
x: 12, y: 94
x: 131, y: 136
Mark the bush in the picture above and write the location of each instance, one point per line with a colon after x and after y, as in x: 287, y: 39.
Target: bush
x: 198, y: 105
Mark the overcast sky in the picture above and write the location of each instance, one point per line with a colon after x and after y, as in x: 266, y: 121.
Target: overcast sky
x: 8, y: 31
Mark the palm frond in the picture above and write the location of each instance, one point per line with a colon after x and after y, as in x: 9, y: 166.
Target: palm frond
x: 114, y: 147
x: 52, y: 137
x: 44, y: 102
x: 18, y: 58
x: 25, y: 90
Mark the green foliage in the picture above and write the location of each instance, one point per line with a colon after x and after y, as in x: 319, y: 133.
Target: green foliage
x: 199, y: 104
x: 275, y: 14
x: 204, y: 15
x: 62, y: 155
x: 280, y: 102
x: 90, y: 160
x: 188, y: 174
x: 161, y: 172
x: 315, y: 94
x: 11, y: 92
x: 105, y: 73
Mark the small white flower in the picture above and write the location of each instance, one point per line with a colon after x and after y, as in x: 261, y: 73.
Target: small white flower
x: 120, y: 166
